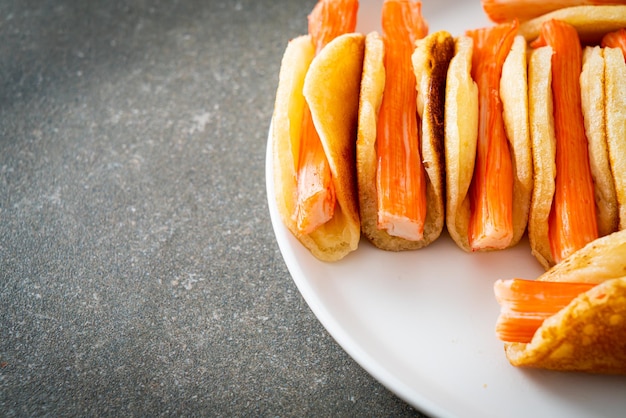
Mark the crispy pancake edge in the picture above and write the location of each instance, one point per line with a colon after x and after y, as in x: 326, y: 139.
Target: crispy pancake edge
x: 590, y: 333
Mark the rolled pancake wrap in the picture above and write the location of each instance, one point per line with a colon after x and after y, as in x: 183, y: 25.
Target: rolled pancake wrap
x: 430, y: 64
x: 329, y: 84
x: 589, y: 334
x: 461, y: 134
x: 595, y: 112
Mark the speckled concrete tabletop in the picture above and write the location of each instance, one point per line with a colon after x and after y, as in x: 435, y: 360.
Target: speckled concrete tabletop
x: 139, y: 272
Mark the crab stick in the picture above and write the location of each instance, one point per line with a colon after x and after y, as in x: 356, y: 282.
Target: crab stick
x: 315, y: 192
x: 615, y: 39
x: 491, y: 220
x: 572, y: 221
x: 525, y: 304
x: 400, y: 178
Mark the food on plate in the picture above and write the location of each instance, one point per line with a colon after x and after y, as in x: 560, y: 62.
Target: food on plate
x: 592, y: 89
x: 573, y: 317
x: 314, y: 132
x: 577, y: 123
x: 615, y: 90
x: 591, y: 22
x: 615, y: 39
x: 461, y: 130
x: 487, y: 145
x: 563, y: 220
x: 505, y: 10
x: 394, y: 135
x: 400, y: 163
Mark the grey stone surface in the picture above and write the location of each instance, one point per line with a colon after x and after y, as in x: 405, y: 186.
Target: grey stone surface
x: 139, y: 271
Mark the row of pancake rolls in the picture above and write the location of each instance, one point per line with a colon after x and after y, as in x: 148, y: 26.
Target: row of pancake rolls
x: 512, y: 129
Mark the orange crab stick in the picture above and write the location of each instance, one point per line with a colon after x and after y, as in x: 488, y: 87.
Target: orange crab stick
x: 491, y: 198
x: 400, y: 177
x: 616, y: 39
x: 572, y: 222
x: 525, y: 304
x: 315, y: 192
x: 505, y: 10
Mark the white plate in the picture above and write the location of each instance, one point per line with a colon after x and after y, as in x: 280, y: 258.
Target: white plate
x: 422, y: 322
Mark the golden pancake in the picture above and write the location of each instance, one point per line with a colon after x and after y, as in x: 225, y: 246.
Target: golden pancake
x: 514, y: 94
x: 543, y: 145
x: 461, y: 135
x: 589, y: 334
x: 430, y: 63
x: 431, y: 60
x: 372, y: 86
x: 591, y: 22
x: 615, y: 90
x: 330, y: 86
x: 592, y: 99
x: 600, y: 260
